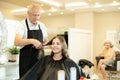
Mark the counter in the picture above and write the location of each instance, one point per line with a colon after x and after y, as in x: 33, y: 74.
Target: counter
x: 9, y: 71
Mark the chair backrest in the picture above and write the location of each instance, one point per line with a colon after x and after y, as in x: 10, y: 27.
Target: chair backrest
x: 117, y: 55
x: 114, y: 67
x: 84, y: 62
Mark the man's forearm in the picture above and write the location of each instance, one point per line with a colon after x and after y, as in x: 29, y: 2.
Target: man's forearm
x: 22, y: 42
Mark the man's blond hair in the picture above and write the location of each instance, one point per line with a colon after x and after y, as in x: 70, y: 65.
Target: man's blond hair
x: 33, y: 7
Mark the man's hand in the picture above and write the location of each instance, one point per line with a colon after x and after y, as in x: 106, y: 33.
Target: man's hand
x: 36, y: 43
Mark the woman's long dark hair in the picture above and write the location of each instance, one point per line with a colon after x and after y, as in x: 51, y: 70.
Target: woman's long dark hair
x: 64, y: 46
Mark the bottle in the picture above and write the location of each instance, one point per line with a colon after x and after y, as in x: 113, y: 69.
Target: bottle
x: 82, y: 78
x: 73, y: 73
x: 61, y: 75
x: 94, y: 77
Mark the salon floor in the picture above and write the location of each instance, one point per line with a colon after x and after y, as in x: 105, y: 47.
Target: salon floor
x: 115, y: 76
x: 95, y: 73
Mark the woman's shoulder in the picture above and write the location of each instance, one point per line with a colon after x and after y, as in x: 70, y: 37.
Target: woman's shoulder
x: 47, y: 57
x: 112, y: 50
x: 70, y: 62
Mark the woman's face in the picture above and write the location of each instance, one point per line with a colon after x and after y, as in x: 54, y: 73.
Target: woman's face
x: 107, y: 45
x: 56, y: 46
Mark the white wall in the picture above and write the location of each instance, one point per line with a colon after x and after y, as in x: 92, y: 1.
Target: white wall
x: 80, y: 44
x: 11, y: 31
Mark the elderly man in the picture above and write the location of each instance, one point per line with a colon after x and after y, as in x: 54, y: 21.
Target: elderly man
x: 31, y: 35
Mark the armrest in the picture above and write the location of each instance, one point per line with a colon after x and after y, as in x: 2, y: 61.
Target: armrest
x: 117, y: 60
x: 118, y: 65
x: 98, y: 58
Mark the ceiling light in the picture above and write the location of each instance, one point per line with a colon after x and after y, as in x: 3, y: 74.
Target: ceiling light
x: 53, y: 9
x: 42, y: 5
x: 49, y: 14
x: 118, y: 7
x: 42, y: 11
x: 72, y: 9
x: 89, y: 0
x: 50, y: 2
x: 76, y: 4
x: 115, y: 3
x: 23, y: 10
x: 103, y: 9
x: 97, y: 5
x: 20, y: 10
x: 61, y: 13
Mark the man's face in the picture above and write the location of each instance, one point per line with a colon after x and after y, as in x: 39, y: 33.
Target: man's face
x: 34, y: 16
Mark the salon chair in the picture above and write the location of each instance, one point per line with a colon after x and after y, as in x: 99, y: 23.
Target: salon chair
x: 84, y: 62
x: 115, y: 68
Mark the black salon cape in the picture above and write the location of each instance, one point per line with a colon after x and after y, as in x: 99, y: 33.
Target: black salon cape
x: 46, y: 69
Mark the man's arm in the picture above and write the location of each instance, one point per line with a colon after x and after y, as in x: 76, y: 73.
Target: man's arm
x: 19, y: 41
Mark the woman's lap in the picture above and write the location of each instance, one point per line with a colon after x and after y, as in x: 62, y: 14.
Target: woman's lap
x: 109, y: 62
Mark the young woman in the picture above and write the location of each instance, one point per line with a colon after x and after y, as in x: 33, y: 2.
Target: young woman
x: 48, y: 67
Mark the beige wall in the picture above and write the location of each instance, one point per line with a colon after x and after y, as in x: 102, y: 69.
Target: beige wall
x: 98, y: 22
x: 103, y: 23
x: 61, y: 21
x: 9, y: 15
x: 58, y: 24
x: 84, y: 20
